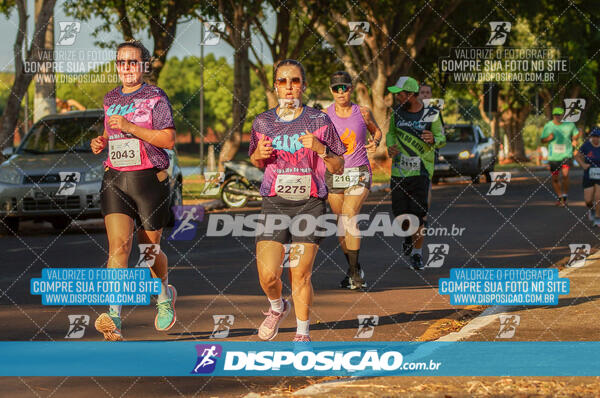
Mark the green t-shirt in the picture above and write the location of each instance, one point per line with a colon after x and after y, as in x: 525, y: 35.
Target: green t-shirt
x: 561, y: 146
x: 416, y: 157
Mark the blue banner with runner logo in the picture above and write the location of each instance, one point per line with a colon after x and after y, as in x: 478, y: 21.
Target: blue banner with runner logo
x: 342, y: 358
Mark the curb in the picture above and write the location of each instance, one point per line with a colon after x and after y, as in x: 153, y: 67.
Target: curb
x: 213, y: 204
x: 488, y: 316
x: 484, y: 319
x: 379, y: 187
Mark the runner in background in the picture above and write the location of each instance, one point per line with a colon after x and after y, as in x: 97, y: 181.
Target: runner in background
x: 68, y: 105
x: 294, y: 143
x: 411, y: 145
x: 138, y: 125
x: 588, y: 156
x: 347, y: 192
x: 561, y: 138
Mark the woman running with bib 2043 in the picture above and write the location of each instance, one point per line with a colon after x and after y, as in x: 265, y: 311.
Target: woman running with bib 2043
x: 348, y: 191
x: 138, y: 125
x: 294, y: 143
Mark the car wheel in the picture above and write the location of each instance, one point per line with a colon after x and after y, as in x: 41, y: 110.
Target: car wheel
x: 233, y: 199
x: 9, y: 226
x: 60, y: 223
x: 176, y: 200
x: 475, y: 179
x: 488, y: 176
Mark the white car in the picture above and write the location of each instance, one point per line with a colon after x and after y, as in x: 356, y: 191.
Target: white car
x: 54, y: 176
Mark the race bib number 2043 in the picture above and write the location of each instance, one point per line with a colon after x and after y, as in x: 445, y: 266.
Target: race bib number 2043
x: 125, y: 152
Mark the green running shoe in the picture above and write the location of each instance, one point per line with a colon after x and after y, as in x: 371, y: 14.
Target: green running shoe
x: 166, y: 316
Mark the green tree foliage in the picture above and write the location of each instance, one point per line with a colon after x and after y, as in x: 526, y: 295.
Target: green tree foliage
x: 181, y: 81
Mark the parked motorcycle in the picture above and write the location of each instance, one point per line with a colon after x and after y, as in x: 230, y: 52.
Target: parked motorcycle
x: 241, y: 184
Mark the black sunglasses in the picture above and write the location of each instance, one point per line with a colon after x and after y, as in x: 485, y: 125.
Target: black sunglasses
x: 341, y: 88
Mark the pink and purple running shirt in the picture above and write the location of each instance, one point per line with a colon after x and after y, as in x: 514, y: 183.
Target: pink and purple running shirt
x: 147, y: 107
x: 289, y: 156
x: 353, y: 133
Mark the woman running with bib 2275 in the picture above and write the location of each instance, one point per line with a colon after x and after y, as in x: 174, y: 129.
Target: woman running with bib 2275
x: 138, y: 124
x: 295, y: 144
x: 348, y: 191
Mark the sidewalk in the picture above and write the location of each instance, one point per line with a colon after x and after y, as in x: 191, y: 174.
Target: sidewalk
x: 575, y: 318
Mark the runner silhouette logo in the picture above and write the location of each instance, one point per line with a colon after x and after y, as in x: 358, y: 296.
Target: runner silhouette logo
x: 500, y: 180
x: 222, y: 326
x: 499, y: 33
x: 212, y: 183
x: 508, y: 326
x: 68, y: 182
x: 579, y: 253
x: 366, y: 326
x: 431, y: 110
x: 292, y: 255
x: 207, y: 358
x: 573, y: 109
x: 187, y: 218
x: 77, y: 325
x: 68, y: 33
x: 358, y: 32
x: 148, y: 253
x: 212, y: 32
x: 437, y: 254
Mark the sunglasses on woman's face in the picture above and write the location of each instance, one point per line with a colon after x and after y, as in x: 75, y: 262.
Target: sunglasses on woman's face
x: 283, y: 82
x: 132, y: 63
x: 341, y: 88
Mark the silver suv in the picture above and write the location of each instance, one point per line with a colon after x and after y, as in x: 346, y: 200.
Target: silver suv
x: 54, y: 176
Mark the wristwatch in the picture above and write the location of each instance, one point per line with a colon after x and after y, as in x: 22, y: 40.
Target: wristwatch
x: 324, y: 154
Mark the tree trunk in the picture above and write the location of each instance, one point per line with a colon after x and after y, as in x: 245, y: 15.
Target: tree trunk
x: 376, y: 101
x: 513, y: 121
x: 241, y: 85
x: 162, y: 44
x: 516, y: 145
x: 22, y: 79
x: 272, y: 100
x: 44, y: 100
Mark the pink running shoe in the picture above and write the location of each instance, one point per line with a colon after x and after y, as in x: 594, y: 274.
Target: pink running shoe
x: 302, y: 338
x: 270, y: 326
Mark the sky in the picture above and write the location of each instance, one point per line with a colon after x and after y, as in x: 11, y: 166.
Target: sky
x: 187, y: 41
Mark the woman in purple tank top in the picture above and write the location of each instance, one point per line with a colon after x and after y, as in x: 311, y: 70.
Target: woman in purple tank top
x: 348, y: 191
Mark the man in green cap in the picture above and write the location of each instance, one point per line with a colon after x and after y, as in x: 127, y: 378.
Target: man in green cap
x: 411, y: 144
x: 561, y: 137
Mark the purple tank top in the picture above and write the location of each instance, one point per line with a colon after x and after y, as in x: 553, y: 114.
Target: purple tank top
x: 353, y: 133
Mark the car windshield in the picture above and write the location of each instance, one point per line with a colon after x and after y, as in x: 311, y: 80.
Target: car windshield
x: 62, y: 135
x: 459, y: 134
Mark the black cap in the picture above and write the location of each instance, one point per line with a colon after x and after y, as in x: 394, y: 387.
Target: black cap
x: 340, y: 78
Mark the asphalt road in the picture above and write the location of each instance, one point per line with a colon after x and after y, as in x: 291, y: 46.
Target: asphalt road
x: 217, y: 276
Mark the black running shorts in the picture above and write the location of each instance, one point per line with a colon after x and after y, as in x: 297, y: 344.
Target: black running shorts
x: 303, y: 232
x: 138, y: 194
x: 409, y: 196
